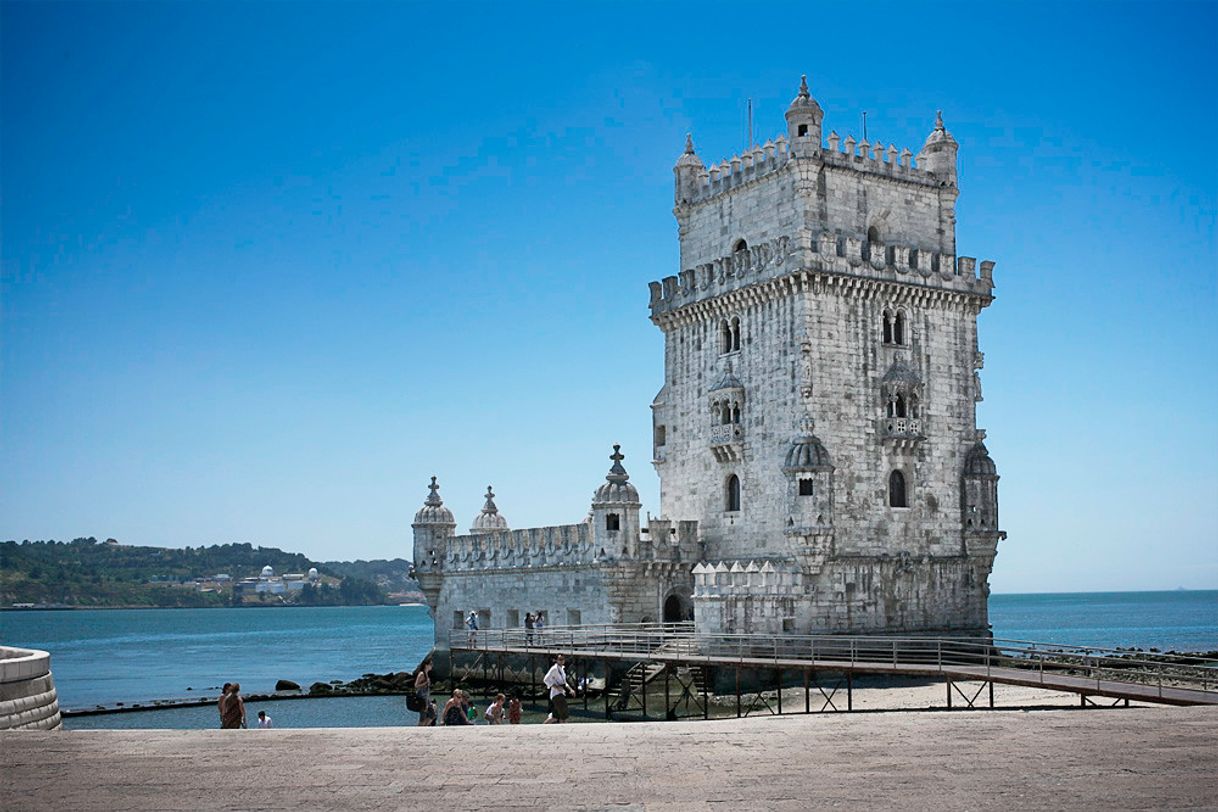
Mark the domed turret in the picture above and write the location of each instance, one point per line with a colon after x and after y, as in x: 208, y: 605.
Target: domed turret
x: 313, y: 574
x: 938, y: 154
x: 807, y: 454
x: 804, y: 117
x: 268, y: 571
x: 809, y: 470
x: 688, y: 172
x: 615, y: 513
x: 617, y: 489
x: 433, y: 511
x: 489, y: 520
x: 979, y: 464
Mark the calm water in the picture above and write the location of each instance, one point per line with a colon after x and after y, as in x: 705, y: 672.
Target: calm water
x: 136, y: 655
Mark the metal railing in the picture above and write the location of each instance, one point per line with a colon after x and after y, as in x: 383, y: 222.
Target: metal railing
x: 981, y: 657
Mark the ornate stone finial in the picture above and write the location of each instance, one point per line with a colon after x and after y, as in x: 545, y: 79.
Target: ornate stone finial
x: 807, y: 425
x: 939, y: 120
x: 689, y: 144
x: 433, y: 498
x: 803, y: 87
x: 490, y: 507
x: 617, y: 473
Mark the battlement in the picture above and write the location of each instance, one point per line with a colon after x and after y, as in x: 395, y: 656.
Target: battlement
x: 724, y: 579
x: 557, y: 546
x: 828, y: 252
x: 568, y: 545
x: 772, y: 156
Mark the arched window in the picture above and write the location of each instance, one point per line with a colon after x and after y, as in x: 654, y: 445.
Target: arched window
x: 736, y: 412
x: 873, y: 235
x: 887, y: 326
x: 913, y: 405
x: 612, y: 522
x: 896, y: 490
x: 731, y: 495
x: 736, y: 334
x: 741, y: 245
x: 725, y: 337
x: 899, y: 406
x: 898, y: 328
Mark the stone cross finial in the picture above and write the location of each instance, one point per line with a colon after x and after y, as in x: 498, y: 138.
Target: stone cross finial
x: 433, y: 498
x: 490, y: 507
x: 689, y: 144
x: 939, y: 120
x: 803, y: 87
x: 617, y: 472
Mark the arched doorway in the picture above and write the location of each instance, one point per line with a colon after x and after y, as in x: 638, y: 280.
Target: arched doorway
x: 678, y: 608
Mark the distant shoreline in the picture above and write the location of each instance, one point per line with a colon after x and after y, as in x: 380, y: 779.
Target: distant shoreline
x: 241, y: 606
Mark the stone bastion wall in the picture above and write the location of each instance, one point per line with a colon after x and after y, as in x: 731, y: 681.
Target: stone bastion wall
x: 27, y: 691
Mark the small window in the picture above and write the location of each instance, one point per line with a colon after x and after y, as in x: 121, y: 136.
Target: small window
x: 873, y: 235
x: 736, y: 334
x: 896, y: 490
x: 573, y: 617
x: 887, y: 326
x: 458, y: 620
x: 513, y: 618
x: 805, y: 487
x: 898, y: 329
x: 661, y: 435
x: 803, y: 130
x: 732, y: 494
x: 725, y: 337
x: 741, y: 245
x: 736, y: 413
x: 613, y: 522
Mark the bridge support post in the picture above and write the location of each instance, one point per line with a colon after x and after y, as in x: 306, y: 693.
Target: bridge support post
x: 849, y: 690
x: 807, y: 694
x: 532, y: 682
x: 608, y: 715
x: 949, y: 694
x: 643, y: 691
x: 737, y: 691
x: 667, y: 700
x: 705, y: 696
x: 778, y: 679
x: 991, y: 694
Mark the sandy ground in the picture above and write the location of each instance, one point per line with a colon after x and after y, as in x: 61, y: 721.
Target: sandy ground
x: 1135, y: 758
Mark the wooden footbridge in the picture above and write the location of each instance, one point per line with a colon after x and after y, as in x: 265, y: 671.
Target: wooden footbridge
x: 685, y: 660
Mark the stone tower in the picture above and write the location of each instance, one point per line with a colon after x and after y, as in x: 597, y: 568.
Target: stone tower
x: 818, y: 413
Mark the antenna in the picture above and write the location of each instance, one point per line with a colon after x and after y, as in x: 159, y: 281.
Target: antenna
x: 865, y: 125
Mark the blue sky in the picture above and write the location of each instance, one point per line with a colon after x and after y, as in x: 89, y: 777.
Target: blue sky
x: 268, y: 267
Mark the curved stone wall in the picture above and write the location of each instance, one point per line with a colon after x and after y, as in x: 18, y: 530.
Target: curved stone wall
x: 27, y: 691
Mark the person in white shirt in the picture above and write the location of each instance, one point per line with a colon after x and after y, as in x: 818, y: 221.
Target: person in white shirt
x: 264, y: 721
x: 556, y: 681
x: 494, y: 711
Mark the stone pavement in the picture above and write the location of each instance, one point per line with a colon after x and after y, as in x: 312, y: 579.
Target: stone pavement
x: 1119, y: 758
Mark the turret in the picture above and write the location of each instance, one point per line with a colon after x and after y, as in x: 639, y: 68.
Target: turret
x: 938, y: 154
x: 433, y: 525
x: 809, y: 472
x: 804, y: 117
x: 688, y: 172
x: 490, y: 520
x: 615, y: 512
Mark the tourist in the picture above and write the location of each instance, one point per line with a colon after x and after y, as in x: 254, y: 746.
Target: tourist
x: 471, y: 623
x: 454, y: 710
x: 232, y: 710
x: 264, y: 721
x: 223, y: 701
x: 422, y: 682
x: 513, y: 711
x: 494, y: 711
x: 539, y: 623
x: 556, y: 681
x: 529, y: 622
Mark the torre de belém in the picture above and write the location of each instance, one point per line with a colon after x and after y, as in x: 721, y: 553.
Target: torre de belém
x: 820, y: 465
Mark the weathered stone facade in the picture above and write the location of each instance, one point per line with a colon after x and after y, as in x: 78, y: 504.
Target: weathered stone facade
x: 815, y: 435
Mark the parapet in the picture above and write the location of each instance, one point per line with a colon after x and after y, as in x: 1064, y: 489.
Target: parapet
x: 773, y: 155
x: 827, y: 252
x: 725, y: 579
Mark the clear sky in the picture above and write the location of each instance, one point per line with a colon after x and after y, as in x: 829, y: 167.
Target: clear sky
x: 268, y: 267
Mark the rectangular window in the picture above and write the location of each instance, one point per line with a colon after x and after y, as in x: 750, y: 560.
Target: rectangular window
x: 805, y: 487
x: 573, y: 617
x: 458, y: 620
x: 513, y: 618
x: 484, y: 618
x: 661, y: 436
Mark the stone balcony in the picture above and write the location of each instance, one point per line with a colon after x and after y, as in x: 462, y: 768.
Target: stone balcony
x: 725, y: 441
x: 901, y: 428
